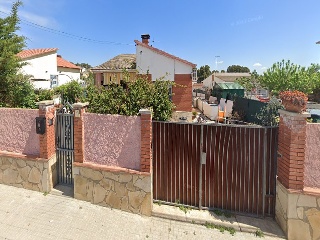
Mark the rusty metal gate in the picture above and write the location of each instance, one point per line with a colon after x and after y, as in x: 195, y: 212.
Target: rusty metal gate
x: 219, y: 166
x: 65, y: 144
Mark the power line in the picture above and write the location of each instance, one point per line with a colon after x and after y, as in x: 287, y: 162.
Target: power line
x: 65, y: 34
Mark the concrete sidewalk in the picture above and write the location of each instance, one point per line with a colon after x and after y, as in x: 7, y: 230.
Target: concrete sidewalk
x: 26, y: 214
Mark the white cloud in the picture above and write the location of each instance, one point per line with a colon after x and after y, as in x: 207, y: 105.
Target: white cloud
x: 263, y: 68
x: 37, y: 19
x: 27, y: 14
x: 257, y: 65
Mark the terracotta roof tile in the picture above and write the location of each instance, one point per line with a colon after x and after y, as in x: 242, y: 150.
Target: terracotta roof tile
x: 164, y: 53
x: 35, y: 52
x: 66, y: 64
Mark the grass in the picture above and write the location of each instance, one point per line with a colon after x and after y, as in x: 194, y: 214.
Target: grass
x: 45, y: 193
x: 231, y: 230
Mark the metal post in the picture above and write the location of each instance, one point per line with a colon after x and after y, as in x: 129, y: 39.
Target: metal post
x: 264, y: 171
x: 200, y: 168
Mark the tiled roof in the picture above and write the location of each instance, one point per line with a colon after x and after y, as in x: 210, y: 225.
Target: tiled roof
x: 156, y: 50
x: 122, y: 61
x: 35, y: 52
x: 64, y: 63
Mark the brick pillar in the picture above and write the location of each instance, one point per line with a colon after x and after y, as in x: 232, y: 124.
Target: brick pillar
x: 146, y: 140
x: 47, y: 140
x: 79, y: 109
x: 291, y: 149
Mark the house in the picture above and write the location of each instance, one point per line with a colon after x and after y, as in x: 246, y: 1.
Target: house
x: 259, y: 94
x: 160, y: 64
x: 67, y: 71
x: 46, y: 68
x: 155, y: 64
x: 112, y: 70
x: 223, y: 77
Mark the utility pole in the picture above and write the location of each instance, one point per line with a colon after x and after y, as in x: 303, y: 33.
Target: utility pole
x: 217, y: 62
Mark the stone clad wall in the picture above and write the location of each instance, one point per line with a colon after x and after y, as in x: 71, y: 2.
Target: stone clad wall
x: 123, y: 189
x: 298, y: 213
x: 29, y: 173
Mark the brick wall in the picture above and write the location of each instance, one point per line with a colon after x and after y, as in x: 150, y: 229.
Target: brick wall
x: 146, y: 141
x: 79, y: 110
x: 291, y: 149
x: 182, y: 96
x: 47, y: 140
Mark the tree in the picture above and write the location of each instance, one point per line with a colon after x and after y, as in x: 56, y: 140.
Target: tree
x: 83, y: 65
x: 250, y: 83
x: 16, y: 90
x: 285, y: 75
x: 203, y: 73
x: 237, y: 69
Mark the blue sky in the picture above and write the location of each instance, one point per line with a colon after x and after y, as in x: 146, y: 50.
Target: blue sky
x: 252, y: 33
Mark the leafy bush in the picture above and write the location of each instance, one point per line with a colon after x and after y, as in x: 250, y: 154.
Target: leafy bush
x: 269, y: 115
x: 71, y: 92
x: 128, y: 100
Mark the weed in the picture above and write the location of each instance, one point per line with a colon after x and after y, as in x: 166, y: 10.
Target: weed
x: 193, y: 222
x: 183, y: 208
x: 147, y: 236
x: 169, y: 229
x: 231, y: 230
x: 259, y: 233
x: 222, y: 213
x: 158, y: 203
x: 45, y: 193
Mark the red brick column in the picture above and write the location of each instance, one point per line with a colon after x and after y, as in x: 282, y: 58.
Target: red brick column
x: 79, y: 109
x: 146, y: 140
x: 182, y: 92
x: 291, y: 149
x: 47, y: 140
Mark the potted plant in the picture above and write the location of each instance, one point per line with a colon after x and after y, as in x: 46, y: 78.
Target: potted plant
x: 294, y: 101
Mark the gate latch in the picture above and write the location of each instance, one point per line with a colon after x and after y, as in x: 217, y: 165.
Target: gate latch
x: 203, y: 157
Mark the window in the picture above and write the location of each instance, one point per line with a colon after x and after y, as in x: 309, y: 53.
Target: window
x: 170, y: 93
x: 194, y: 74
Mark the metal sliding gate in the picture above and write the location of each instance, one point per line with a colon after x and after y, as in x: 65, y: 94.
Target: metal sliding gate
x: 229, y: 167
x: 65, y: 144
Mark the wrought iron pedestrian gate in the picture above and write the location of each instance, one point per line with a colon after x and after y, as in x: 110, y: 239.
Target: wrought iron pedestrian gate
x: 65, y: 144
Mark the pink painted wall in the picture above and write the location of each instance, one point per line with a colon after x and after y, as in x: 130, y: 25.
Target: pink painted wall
x: 112, y: 140
x: 312, y: 157
x: 18, y: 131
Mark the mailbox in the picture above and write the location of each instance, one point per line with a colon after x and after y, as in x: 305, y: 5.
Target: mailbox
x: 40, y: 125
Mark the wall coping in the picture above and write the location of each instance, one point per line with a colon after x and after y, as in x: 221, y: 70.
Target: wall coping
x: 109, y: 168
x: 144, y: 111
x: 315, y: 192
x: 23, y: 156
x: 80, y: 105
x: 45, y: 102
x: 294, y: 114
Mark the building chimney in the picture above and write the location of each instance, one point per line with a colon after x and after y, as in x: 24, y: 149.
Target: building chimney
x: 145, y: 38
